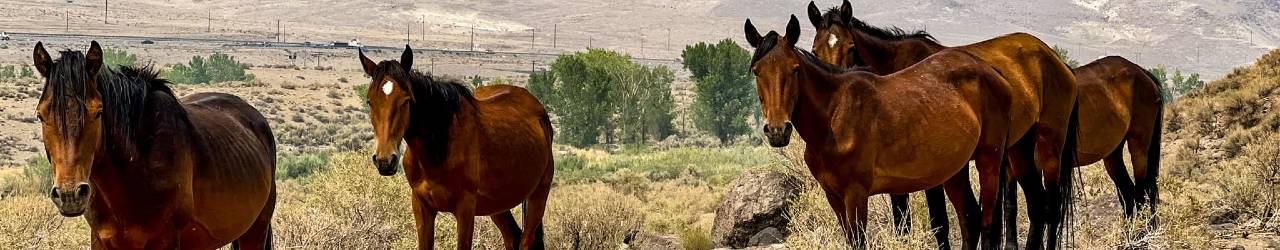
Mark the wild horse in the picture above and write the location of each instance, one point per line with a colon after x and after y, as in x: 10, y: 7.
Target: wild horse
x: 866, y: 134
x: 470, y: 154
x: 150, y: 171
x: 1045, y: 113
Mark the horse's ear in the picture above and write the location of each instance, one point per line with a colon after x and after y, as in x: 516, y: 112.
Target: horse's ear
x: 793, y: 31
x: 93, y: 59
x: 846, y: 11
x: 753, y: 36
x: 406, y: 59
x: 815, y: 15
x: 41, y: 60
x: 368, y: 65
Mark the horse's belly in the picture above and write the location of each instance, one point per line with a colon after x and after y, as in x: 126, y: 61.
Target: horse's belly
x: 1104, y: 120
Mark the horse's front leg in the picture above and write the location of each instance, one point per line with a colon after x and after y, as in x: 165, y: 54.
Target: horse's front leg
x: 466, y: 215
x: 855, y: 205
x: 837, y: 205
x: 425, y: 219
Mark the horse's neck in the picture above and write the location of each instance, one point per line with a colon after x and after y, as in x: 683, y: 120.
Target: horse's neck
x: 812, y: 116
x: 888, y: 56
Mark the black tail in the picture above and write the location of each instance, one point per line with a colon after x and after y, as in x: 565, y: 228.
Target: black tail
x: 1153, y: 152
x: 1065, y: 181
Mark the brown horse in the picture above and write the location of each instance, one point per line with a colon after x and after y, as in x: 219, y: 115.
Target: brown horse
x: 469, y: 154
x: 150, y: 171
x: 866, y: 133
x: 1121, y: 104
x: 1044, y: 110
x: 840, y: 39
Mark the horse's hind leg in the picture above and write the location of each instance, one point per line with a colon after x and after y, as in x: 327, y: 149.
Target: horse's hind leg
x: 901, y: 213
x: 960, y: 193
x: 1120, y: 176
x: 259, y: 235
x: 536, y: 206
x: 506, y: 224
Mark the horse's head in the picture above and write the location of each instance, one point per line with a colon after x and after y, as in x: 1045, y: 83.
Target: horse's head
x: 390, y: 95
x: 834, y: 40
x: 776, y: 64
x: 70, y: 113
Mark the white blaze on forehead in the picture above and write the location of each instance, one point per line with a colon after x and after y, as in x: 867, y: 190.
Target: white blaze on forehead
x: 831, y: 41
x: 386, y: 88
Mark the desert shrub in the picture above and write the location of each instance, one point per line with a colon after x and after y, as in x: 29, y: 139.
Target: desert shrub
x: 114, y: 58
x: 35, y: 178
x: 216, y: 68
x: 591, y: 217
x: 31, y: 222
x: 347, y: 205
x: 301, y: 165
x: 8, y: 72
x: 714, y: 165
x: 696, y: 239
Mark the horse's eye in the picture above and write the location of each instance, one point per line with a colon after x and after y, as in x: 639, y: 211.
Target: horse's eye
x: 98, y: 115
x: 40, y: 117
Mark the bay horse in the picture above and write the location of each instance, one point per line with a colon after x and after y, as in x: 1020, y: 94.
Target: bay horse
x: 1121, y: 105
x: 869, y: 134
x: 470, y: 154
x: 148, y: 170
x: 1045, y: 112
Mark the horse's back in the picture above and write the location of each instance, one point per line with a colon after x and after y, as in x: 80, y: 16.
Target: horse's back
x: 514, y: 113
x: 1113, y: 93
x: 1039, y: 78
x: 235, y: 172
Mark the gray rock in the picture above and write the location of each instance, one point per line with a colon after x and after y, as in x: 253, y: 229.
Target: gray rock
x: 752, y: 212
x: 644, y: 241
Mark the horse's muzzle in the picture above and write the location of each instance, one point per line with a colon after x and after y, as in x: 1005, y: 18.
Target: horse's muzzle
x: 387, y: 166
x: 779, y: 136
x: 71, y: 202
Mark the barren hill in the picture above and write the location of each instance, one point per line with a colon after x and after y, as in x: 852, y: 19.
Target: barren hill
x: 1205, y: 36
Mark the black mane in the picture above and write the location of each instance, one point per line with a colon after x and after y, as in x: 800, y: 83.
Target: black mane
x: 771, y: 40
x: 124, y: 92
x: 832, y: 16
x: 437, y: 102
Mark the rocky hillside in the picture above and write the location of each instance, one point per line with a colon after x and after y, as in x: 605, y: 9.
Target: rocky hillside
x: 1203, y: 36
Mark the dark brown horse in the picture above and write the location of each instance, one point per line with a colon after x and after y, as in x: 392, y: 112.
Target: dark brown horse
x: 150, y: 171
x: 899, y: 133
x: 841, y: 39
x: 469, y: 154
x: 1044, y: 110
x: 1121, y: 103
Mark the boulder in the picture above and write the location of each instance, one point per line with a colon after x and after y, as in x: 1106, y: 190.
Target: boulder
x: 645, y: 241
x: 752, y: 213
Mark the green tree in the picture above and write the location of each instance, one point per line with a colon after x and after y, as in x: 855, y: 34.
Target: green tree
x: 113, y: 58
x: 725, y: 94
x: 542, y: 85
x: 1162, y: 76
x: 1063, y: 54
x: 1184, y: 85
x: 216, y: 68
x: 645, y: 103
x: 602, y: 94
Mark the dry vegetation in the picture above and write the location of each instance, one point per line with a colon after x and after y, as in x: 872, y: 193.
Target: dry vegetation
x: 1218, y: 184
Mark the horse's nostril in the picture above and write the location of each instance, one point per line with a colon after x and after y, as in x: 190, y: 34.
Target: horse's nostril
x: 53, y: 193
x: 82, y: 190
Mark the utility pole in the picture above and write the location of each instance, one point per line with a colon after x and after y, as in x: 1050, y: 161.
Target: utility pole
x: 432, y: 70
x: 473, y: 39
x: 590, y: 41
x: 277, y: 30
x: 68, y: 27
x: 555, y: 30
x: 533, y: 35
x: 105, y: 8
x: 209, y: 22
x: 407, y: 28
x: 424, y: 28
